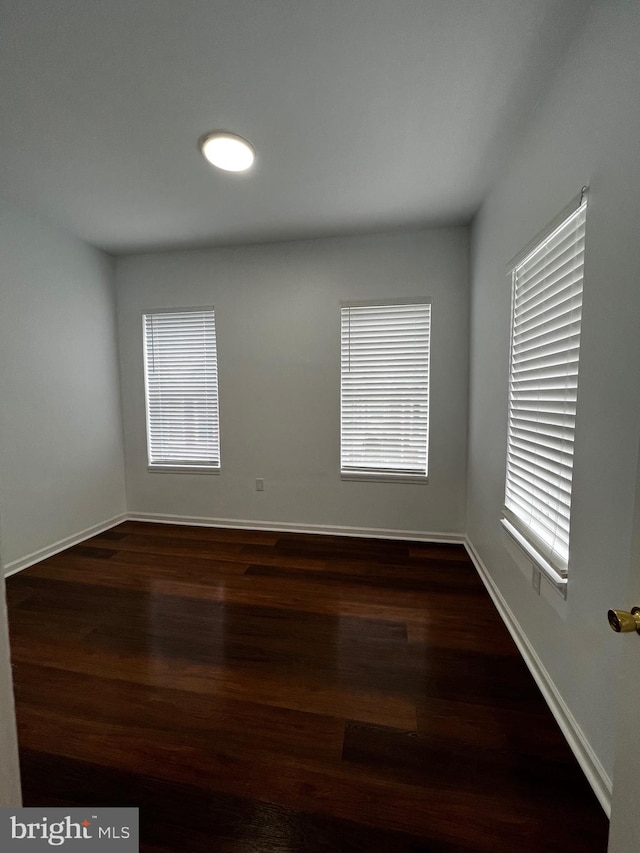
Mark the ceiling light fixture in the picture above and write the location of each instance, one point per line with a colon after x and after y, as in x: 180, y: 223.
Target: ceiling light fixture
x: 227, y: 151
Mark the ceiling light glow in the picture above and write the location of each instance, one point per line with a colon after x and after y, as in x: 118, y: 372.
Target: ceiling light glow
x: 227, y: 151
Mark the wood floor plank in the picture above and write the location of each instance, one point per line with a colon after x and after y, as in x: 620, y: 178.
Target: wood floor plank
x: 158, y: 544
x: 418, y: 581
x: 341, y: 792
x: 420, y: 758
x: 309, y: 694
x: 294, y: 692
x: 220, y: 581
x: 150, y: 713
x: 419, y: 551
x: 217, y: 822
x: 185, y: 531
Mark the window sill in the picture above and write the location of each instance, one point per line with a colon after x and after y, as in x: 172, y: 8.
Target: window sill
x: 182, y: 469
x: 383, y: 477
x: 555, y: 579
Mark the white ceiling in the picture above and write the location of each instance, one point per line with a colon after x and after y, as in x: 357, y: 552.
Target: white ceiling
x: 365, y: 114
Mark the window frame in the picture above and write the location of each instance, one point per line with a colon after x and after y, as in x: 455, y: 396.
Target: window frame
x: 178, y: 467
x: 379, y: 474
x: 515, y: 527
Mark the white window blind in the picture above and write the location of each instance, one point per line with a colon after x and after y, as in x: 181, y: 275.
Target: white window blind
x: 181, y: 378
x: 543, y: 387
x: 385, y: 388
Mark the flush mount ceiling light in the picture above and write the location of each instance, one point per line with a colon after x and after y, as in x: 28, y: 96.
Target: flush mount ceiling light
x: 227, y: 151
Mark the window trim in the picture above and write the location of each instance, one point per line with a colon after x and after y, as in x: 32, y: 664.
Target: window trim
x: 526, y: 540
x: 177, y: 467
x: 557, y: 581
x: 158, y: 468
x: 381, y: 475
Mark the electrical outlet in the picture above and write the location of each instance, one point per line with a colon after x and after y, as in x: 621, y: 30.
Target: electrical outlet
x: 535, y: 578
x: 259, y: 484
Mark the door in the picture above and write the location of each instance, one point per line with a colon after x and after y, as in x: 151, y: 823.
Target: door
x: 9, y: 770
x: 624, y: 836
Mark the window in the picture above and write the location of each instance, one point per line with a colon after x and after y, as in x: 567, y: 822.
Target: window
x: 181, y: 383
x: 384, y: 425
x: 543, y: 387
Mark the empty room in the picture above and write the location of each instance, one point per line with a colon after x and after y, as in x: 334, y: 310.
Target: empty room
x: 319, y: 425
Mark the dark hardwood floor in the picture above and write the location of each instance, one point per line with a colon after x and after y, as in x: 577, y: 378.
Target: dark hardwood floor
x: 255, y: 691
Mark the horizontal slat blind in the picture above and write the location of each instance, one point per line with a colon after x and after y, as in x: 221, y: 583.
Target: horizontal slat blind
x: 385, y: 388
x: 181, y: 374
x: 543, y: 387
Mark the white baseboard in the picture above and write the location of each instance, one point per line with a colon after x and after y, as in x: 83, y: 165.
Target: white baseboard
x: 587, y: 759
x: 281, y: 527
x: 55, y: 548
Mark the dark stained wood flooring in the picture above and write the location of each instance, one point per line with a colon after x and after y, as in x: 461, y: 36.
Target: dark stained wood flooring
x: 258, y: 692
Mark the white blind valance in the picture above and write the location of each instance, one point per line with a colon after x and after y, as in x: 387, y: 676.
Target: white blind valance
x: 385, y: 388
x: 181, y: 373
x: 543, y: 387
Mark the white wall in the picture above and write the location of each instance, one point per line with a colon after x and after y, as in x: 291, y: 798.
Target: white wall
x: 585, y: 131
x: 277, y: 315
x: 61, y: 461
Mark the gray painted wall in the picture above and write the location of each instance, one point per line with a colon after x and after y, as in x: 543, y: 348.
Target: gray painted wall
x: 277, y: 316
x: 61, y: 460
x: 585, y: 131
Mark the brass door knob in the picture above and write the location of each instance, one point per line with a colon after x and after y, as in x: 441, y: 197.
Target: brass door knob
x: 621, y: 622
